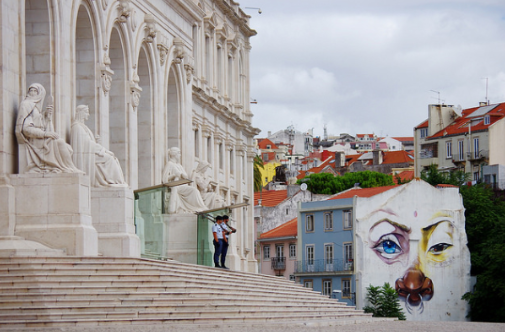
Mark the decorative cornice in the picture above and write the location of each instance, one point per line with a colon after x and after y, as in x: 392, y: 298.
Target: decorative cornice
x: 233, y: 16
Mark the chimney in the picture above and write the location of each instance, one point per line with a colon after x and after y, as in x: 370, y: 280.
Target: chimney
x: 269, y: 133
x: 483, y: 103
x: 339, y: 159
x: 377, y: 157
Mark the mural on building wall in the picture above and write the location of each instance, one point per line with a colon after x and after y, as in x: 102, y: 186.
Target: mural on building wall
x: 414, y: 238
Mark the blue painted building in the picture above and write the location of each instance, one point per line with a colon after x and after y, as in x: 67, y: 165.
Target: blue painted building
x: 326, y: 248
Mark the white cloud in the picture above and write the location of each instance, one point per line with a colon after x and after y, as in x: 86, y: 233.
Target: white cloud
x: 369, y: 66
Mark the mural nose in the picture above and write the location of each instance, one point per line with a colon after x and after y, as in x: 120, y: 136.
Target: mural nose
x: 415, y: 287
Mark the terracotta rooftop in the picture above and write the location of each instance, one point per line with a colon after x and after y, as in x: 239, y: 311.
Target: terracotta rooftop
x: 395, y: 157
x: 362, y: 192
x: 423, y: 125
x: 405, y: 175
x: 404, y: 139
x: 263, y: 142
x: 287, y: 229
x: 472, y: 119
x: 270, y: 198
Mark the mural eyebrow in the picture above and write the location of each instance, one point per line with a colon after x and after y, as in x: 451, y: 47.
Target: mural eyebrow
x: 427, y: 228
x: 400, y: 226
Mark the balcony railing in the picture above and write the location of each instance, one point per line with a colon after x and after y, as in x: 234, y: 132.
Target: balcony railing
x: 278, y: 263
x: 324, y: 265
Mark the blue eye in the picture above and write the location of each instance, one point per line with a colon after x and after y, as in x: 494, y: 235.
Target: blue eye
x: 390, y: 247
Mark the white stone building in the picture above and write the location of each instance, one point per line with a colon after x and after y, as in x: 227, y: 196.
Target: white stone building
x: 155, y: 75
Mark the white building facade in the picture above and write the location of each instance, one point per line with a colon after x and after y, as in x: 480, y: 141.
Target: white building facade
x: 155, y: 75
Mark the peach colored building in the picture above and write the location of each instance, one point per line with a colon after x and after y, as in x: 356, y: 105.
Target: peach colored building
x: 279, y: 250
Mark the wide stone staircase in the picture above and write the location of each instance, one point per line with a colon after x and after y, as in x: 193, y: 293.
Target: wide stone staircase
x: 97, y: 291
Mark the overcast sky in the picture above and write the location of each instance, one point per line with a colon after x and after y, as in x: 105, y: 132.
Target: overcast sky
x: 367, y: 66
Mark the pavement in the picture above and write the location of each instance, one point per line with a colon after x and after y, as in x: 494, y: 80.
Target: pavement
x: 340, y: 326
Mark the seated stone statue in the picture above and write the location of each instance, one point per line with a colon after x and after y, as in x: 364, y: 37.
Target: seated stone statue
x: 99, y: 163
x: 210, y: 194
x: 41, y: 149
x: 183, y: 198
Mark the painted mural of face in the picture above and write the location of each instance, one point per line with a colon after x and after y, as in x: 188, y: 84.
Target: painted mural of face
x: 423, y: 249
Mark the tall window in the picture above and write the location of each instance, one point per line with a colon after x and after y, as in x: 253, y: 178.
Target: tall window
x: 309, y: 255
x: 327, y: 287
x: 266, y: 252
x: 347, y: 217
x: 232, y: 162
x: 328, y: 253
x: 476, y: 148
x: 328, y: 221
x: 487, y: 120
x: 197, y: 143
x: 461, y: 150
x: 424, y: 132
x: 292, y: 250
x: 348, y: 252
x: 309, y: 223
x: 221, y: 161
x: 279, y: 249
x: 448, y: 149
x: 346, y: 288
x: 209, y: 149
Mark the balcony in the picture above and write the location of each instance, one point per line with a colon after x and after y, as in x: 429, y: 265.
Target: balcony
x: 481, y: 155
x: 278, y: 263
x: 339, y: 266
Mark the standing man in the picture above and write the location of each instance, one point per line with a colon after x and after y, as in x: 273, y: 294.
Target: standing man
x: 227, y: 231
x: 219, y: 240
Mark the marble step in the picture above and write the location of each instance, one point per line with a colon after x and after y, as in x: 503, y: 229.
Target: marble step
x: 60, y: 278
x: 196, y: 308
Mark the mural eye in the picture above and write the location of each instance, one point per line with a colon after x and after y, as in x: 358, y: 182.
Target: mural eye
x: 388, y: 246
x: 438, y: 248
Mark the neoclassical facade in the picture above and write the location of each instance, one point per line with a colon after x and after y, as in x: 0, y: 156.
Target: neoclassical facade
x: 154, y: 75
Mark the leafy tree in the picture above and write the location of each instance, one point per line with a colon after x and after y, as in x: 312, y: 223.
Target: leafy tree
x: 383, y: 302
x: 485, y: 228
x: 433, y: 176
x: 258, y: 181
x: 325, y: 183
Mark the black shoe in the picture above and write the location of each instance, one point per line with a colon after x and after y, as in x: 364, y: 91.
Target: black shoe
x: 217, y: 265
x: 224, y: 267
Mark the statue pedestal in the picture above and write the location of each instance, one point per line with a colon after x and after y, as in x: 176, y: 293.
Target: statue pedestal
x: 112, y: 212
x: 182, y: 237
x: 54, y: 210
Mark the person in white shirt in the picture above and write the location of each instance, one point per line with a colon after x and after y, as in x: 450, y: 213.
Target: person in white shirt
x: 219, y: 240
x: 227, y: 231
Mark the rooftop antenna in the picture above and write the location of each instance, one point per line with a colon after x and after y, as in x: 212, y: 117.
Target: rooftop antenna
x: 438, y: 95
x: 325, y: 133
x: 487, y: 100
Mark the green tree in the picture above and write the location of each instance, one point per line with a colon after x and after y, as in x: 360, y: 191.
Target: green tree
x: 383, y: 302
x: 258, y: 180
x: 328, y: 184
x: 485, y: 228
x: 433, y: 176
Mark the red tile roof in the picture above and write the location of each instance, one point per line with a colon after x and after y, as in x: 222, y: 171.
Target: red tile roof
x: 396, y: 157
x: 262, y: 144
x: 445, y: 186
x: 423, y: 124
x: 270, y: 198
x: 461, y: 125
x: 404, y: 139
x: 289, y: 228
x: 365, y: 192
x: 405, y: 175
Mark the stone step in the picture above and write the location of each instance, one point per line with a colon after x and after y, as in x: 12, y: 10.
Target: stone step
x: 220, y: 317
x: 171, y: 295
x: 274, y: 308
x: 110, y: 279
x: 113, y: 300
x: 91, y: 291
